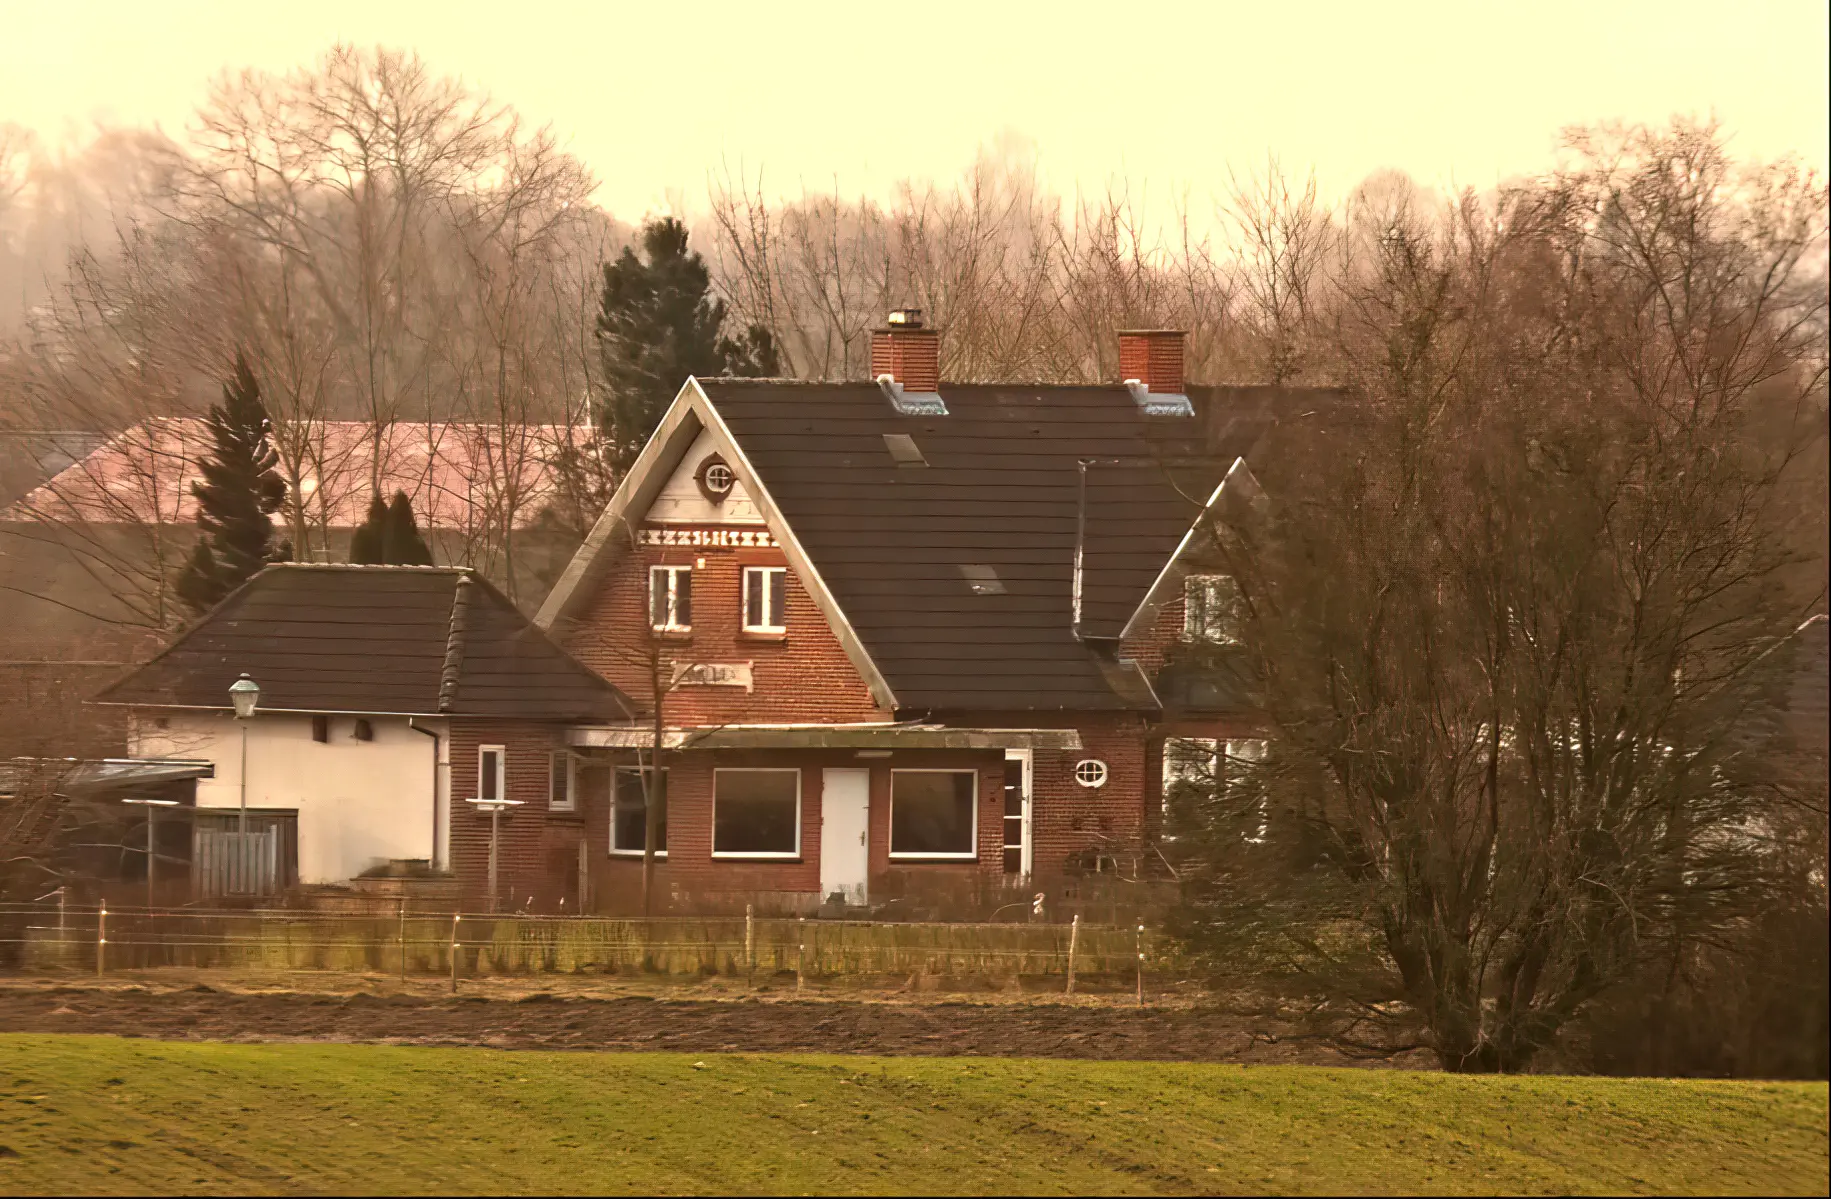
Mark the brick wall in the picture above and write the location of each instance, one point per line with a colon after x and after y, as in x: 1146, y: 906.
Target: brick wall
x: 537, y: 855
x: 803, y: 676
x: 692, y: 873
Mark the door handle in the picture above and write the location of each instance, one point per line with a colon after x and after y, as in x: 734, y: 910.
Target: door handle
x: 861, y: 838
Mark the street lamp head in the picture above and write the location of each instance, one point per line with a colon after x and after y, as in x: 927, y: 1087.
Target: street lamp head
x: 244, y: 693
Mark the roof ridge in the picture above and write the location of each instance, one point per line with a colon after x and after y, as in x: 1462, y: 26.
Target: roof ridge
x: 454, y: 643
x: 461, y: 570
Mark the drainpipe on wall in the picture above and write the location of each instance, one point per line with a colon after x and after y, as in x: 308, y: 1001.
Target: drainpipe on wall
x: 437, y: 745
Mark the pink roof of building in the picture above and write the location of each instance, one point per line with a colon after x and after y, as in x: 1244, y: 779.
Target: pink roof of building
x: 459, y: 476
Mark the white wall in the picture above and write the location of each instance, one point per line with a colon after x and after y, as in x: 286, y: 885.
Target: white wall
x: 680, y: 500
x: 359, y: 802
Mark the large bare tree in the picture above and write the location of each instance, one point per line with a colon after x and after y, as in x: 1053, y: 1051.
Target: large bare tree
x: 1522, y: 621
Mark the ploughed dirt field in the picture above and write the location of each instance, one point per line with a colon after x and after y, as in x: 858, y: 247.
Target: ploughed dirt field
x: 517, y: 1017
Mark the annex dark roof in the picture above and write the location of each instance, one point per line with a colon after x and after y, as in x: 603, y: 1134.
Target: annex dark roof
x: 434, y: 641
x: 1002, y: 489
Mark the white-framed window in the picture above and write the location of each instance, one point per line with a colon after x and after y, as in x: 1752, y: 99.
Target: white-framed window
x: 719, y: 478
x: 756, y: 813
x: 934, y: 814
x: 629, y: 812
x: 1017, y: 852
x: 1239, y: 766
x: 492, y: 772
x: 670, y: 598
x: 1090, y: 772
x: 1198, y: 767
x: 765, y: 599
x: 1211, y: 609
x: 562, y: 781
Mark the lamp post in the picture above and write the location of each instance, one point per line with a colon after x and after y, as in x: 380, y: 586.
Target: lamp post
x: 495, y: 807
x: 244, y: 694
x: 151, y: 805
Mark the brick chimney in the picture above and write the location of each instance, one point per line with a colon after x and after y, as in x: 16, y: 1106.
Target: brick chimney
x: 908, y: 353
x: 1153, y: 357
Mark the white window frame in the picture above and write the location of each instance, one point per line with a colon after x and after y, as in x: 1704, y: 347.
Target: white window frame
x: 1028, y: 758
x: 781, y: 624
x: 1094, y: 765
x: 502, y: 771
x: 753, y: 855
x: 674, y: 575
x: 1251, y: 750
x: 570, y: 765
x: 1208, y: 633
x: 978, y: 802
x: 616, y: 783
x: 1211, y: 748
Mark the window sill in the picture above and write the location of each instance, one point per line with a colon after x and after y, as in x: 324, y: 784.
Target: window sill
x: 764, y: 636
x: 661, y: 855
x: 685, y: 634
x: 756, y: 857
x: 934, y: 857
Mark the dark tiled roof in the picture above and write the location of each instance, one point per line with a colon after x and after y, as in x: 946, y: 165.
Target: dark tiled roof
x: 405, y: 639
x: 1001, y: 489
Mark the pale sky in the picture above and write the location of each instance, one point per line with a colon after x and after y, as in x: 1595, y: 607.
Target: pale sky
x: 653, y: 95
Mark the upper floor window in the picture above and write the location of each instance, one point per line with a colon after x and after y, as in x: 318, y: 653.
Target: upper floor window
x: 1211, y: 609
x: 765, y: 595
x: 670, y: 597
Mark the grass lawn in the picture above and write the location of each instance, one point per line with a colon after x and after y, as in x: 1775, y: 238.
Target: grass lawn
x: 99, y: 1114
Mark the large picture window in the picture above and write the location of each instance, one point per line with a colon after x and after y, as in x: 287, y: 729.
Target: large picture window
x: 629, y: 805
x: 670, y: 597
x: 1211, y: 609
x: 765, y: 590
x: 756, y: 813
x: 934, y: 813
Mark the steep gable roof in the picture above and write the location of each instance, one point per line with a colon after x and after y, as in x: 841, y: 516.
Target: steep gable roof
x: 943, y: 548
x: 434, y: 641
x: 1015, y: 475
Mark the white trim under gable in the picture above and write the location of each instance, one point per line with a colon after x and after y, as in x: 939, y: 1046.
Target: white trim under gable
x: 616, y: 531
x: 680, y: 424
x: 1170, y: 577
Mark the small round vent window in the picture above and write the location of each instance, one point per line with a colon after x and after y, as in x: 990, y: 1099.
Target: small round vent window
x: 715, y: 479
x: 1090, y: 772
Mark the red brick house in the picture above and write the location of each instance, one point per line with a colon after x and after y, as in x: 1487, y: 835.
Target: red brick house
x: 914, y: 641
x: 912, y: 635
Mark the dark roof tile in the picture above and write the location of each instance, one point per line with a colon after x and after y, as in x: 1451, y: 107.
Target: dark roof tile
x: 372, y: 639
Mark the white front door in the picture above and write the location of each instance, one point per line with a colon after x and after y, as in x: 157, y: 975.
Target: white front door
x: 845, y: 827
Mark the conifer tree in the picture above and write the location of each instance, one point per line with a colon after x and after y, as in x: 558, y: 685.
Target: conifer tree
x: 240, y: 491
x: 657, y: 324
x: 368, y: 545
x: 389, y: 535
x: 401, y: 540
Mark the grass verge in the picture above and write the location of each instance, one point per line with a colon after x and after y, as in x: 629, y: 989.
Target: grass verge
x: 82, y: 1114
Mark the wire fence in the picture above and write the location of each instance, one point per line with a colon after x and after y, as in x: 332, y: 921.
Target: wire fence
x: 104, y: 938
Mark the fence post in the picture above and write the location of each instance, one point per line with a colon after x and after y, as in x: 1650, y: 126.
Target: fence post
x: 800, y: 950
x: 1141, y: 965
x: 454, y: 953
x: 1074, y: 938
x: 403, y: 940
x: 101, y: 938
x: 750, y: 943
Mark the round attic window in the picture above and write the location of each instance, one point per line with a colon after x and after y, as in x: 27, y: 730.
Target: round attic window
x: 1090, y: 772
x: 715, y: 479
